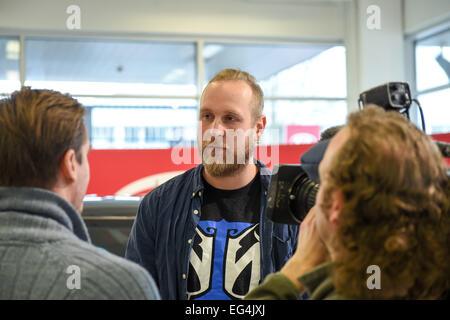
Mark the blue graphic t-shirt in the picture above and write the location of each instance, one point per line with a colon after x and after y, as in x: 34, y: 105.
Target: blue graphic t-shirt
x: 225, y: 256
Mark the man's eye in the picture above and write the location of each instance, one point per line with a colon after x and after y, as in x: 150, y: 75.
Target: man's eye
x: 229, y: 118
x: 206, y: 116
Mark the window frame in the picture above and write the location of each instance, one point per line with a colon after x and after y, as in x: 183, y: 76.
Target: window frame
x: 411, y: 42
x: 198, y: 42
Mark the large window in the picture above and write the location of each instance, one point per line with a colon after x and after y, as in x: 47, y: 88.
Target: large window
x: 9, y: 65
x: 301, y: 121
x: 137, y: 123
x: 304, y: 85
x: 92, y: 67
x: 145, y: 94
x: 433, y: 81
x: 138, y: 94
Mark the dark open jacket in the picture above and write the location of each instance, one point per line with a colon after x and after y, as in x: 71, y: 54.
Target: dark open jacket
x: 162, y: 235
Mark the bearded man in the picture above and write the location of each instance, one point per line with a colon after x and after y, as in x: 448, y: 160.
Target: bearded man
x: 204, y: 234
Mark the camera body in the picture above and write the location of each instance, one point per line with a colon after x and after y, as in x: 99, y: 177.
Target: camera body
x: 390, y: 96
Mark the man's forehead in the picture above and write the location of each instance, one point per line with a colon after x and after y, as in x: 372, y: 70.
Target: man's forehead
x: 339, y: 139
x: 235, y: 98
x: 237, y: 89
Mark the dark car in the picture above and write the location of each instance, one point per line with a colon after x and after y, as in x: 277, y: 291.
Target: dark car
x: 109, y: 221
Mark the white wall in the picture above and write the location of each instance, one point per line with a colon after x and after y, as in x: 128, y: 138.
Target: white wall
x: 378, y: 56
x: 422, y: 14
x: 374, y: 55
x: 218, y: 18
x: 381, y: 50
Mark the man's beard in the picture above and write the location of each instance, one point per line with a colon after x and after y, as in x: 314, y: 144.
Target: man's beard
x: 224, y: 168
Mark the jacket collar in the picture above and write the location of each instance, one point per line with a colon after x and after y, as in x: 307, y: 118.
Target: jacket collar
x: 46, y: 204
x: 198, y: 185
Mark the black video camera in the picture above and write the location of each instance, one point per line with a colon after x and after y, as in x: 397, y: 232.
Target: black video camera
x: 391, y: 96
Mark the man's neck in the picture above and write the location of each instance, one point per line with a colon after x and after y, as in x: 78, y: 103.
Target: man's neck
x: 237, y: 181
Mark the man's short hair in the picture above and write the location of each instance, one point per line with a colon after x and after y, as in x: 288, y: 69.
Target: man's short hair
x: 37, y: 127
x: 396, y: 210
x: 236, y: 74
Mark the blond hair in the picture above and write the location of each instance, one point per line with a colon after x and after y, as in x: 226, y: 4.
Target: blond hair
x: 239, y: 75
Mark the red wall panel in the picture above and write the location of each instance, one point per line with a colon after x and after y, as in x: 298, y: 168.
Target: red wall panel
x: 112, y: 170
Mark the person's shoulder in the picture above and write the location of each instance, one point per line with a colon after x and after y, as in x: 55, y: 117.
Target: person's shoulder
x: 173, y: 185
x: 337, y: 296
x: 264, y: 172
x: 105, y: 275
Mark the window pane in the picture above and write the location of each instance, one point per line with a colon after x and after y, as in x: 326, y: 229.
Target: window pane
x: 301, y: 122
x: 433, y: 61
x: 111, y: 67
x: 436, y: 109
x: 141, y: 123
x: 284, y: 70
x: 9, y: 65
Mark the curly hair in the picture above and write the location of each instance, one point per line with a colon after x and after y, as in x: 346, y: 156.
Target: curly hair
x: 396, y: 211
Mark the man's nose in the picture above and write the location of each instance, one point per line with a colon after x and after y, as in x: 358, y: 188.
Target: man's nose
x: 218, y: 127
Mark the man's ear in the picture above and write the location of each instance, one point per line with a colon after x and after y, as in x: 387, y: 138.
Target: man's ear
x: 68, y: 165
x: 260, y: 126
x: 336, y: 206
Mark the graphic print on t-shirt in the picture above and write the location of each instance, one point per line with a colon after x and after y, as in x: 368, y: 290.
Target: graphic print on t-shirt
x: 225, y: 260
x: 225, y: 256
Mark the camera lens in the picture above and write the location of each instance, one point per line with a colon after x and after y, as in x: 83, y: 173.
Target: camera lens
x: 305, y: 191
x: 291, y: 195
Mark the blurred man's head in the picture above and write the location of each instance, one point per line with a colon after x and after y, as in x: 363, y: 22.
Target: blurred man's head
x: 231, y: 121
x: 44, y: 143
x: 384, y: 201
